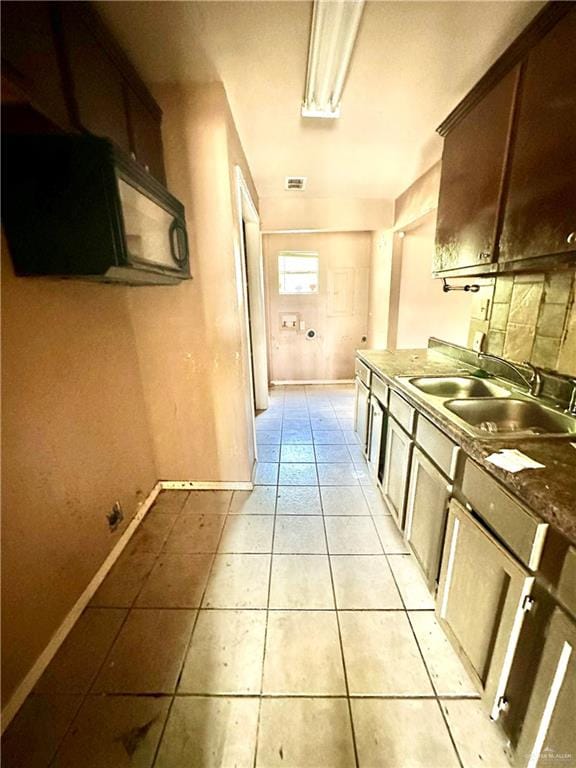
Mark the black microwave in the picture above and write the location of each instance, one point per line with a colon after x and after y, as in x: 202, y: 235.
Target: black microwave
x: 75, y: 206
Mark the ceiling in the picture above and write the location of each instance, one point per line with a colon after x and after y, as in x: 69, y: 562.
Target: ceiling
x: 413, y: 62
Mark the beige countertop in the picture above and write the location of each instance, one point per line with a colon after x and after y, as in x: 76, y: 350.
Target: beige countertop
x: 550, y: 492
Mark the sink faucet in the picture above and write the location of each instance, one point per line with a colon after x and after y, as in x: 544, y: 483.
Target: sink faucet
x: 535, y: 379
x: 534, y: 383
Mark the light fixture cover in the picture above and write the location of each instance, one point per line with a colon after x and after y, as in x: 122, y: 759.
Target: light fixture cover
x: 332, y: 37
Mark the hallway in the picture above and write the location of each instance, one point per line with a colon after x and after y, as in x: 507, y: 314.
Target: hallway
x: 284, y: 626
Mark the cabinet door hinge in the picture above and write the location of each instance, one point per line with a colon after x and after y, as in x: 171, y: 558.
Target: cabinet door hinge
x: 502, y: 705
x: 527, y: 603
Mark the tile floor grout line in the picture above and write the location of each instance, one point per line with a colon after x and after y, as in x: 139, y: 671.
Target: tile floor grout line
x: 214, y: 608
x: 88, y: 691
x: 282, y: 695
x: 228, y: 517
x: 160, y: 553
x: 340, y: 641
x: 189, y: 643
x: 257, y: 738
x: 452, y: 739
x: 428, y: 673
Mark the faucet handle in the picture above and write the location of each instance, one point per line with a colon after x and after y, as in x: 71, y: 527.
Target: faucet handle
x: 535, y: 378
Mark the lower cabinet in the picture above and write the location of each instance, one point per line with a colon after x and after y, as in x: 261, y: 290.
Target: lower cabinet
x: 361, y: 415
x: 396, y: 470
x: 548, y: 735
x: 426, y: 511
x: 482, y: 600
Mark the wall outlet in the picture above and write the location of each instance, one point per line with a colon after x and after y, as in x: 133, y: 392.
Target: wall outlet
x: 478, y: 341
x: 115, y: 516
x: 484, y: 308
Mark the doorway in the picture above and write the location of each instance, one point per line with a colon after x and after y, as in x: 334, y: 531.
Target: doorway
x: 251, y: 273
x: 316, y: 322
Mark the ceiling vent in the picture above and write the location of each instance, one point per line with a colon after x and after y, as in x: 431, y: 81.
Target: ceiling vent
x: 295, y: 182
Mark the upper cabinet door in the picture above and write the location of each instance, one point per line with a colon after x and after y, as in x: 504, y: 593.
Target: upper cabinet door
x: 473, y: 161
x: 97, y: 85
x: 30, y: 58
x: 146, y: 135
x: 540, y: 209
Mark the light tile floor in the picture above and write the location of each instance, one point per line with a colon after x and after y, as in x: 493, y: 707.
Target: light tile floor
x: 287, y: 626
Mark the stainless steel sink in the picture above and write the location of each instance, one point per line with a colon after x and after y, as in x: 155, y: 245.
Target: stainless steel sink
x: 509, y: 416
x: 458, y: 386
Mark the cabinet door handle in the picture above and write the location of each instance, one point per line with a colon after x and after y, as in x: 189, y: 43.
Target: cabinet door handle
x: 571, y: 238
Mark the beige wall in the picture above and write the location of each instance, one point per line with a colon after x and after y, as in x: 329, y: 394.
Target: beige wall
x: 407, y: 305
x: 194, y: 372
x: 108, y: 388
x: 336, y: 214
x: 75, y: 438
x: 338, y: 313
x: 420, y: 198
x: 381, y: 279
x: 424, y: 310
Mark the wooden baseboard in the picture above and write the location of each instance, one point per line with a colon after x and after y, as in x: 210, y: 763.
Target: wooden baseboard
x: 287, y: 382
x: 19, y: 696
x: 193, y: 485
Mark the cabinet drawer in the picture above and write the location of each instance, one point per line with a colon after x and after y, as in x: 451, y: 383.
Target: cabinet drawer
x: 439, y: 448
x: 522, y: 531
x: 380, y: 390
x: 362, y: 371
x: 402, y: 411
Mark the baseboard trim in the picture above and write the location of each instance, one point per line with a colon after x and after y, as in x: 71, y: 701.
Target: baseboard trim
x: 37, y: 670
x: 284, y: 382
x: 35, y: 673
x: 193, y: 485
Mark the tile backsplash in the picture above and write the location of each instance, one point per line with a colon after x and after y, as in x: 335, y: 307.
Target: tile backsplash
x: 533, y: 317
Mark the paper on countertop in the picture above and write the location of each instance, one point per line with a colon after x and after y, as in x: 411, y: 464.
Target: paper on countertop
x: 513, y: 461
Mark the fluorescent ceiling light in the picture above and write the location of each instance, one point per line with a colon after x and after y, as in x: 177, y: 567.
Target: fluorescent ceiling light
x: 334, y: 28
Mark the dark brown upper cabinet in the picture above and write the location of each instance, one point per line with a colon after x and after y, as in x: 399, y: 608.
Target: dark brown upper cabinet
x: 540, y: 206
x: 508, y: 185
x: 97, y: 86
x: 145, y: 135
x: 31, y: 67
x: 473, y: 164
x: 62, y: 65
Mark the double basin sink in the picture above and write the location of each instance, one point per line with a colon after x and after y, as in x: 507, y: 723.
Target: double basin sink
x: 485, y: 408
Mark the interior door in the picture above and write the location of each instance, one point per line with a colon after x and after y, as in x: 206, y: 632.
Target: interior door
x: 249, y: 312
